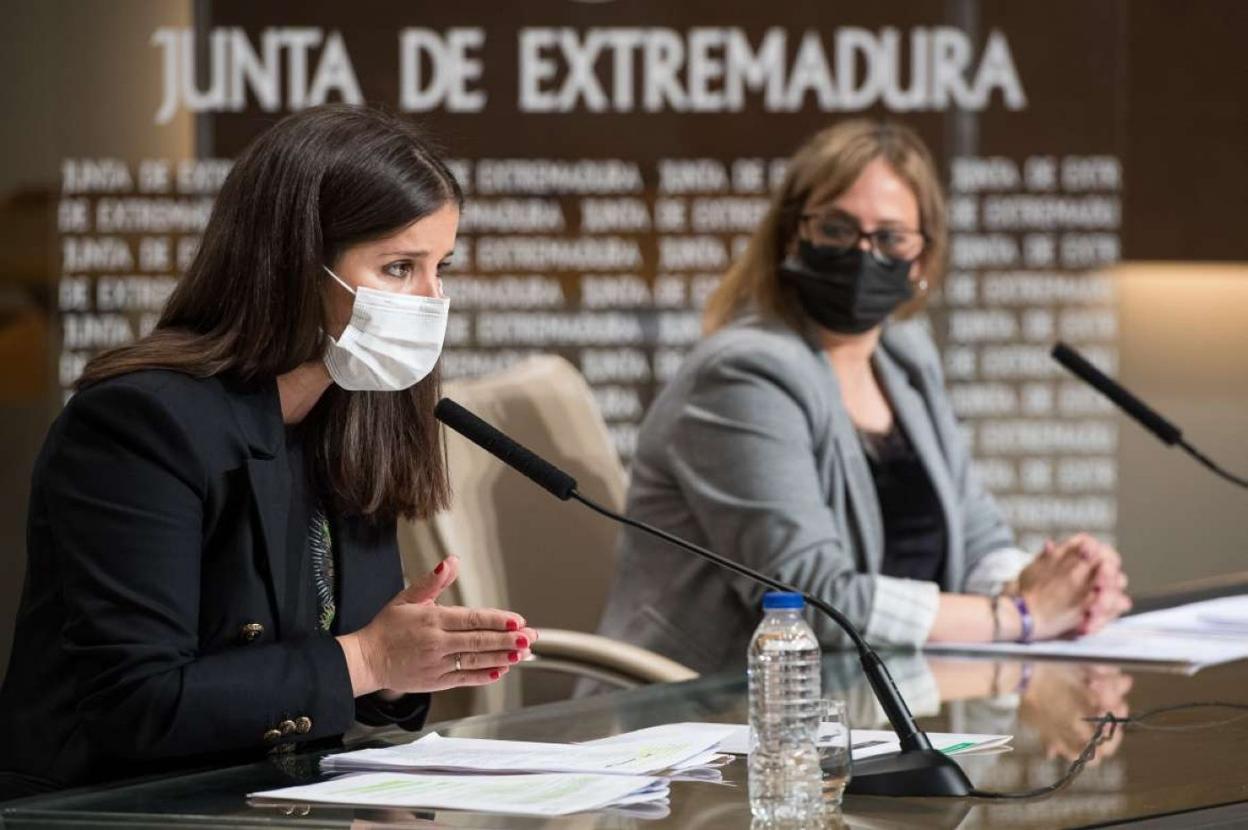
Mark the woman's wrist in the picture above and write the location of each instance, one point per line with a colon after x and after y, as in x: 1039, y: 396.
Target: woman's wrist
x: 359, y: 669
x: 1009, y: 625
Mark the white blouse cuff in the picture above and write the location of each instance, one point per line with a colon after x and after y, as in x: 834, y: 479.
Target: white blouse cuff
x: 995, y: 569
x: 902, y: 612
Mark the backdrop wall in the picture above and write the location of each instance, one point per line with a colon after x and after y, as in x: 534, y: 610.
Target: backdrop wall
x: 617, y: 155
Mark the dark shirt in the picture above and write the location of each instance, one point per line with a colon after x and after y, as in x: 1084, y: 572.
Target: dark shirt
x: 915, y: 536
x: 299, y: 510
x: 309, y: 539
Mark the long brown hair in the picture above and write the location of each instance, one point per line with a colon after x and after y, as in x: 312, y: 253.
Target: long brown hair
x: 250, y: 304
x: 827, y: 164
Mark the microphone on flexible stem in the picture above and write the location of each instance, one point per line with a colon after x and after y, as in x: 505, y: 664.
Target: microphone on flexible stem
x: 1169, y: 434
x: 917, y: 770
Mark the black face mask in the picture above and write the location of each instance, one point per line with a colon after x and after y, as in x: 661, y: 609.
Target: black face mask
x: 846, y: 291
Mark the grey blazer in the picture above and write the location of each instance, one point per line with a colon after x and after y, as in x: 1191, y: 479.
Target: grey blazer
x: 749, y: 451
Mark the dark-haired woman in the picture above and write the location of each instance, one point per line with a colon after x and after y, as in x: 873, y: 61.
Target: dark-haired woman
x: 810, y: 436
x: 213, y: 570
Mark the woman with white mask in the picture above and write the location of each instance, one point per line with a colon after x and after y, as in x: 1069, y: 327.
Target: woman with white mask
x: 213, y: 570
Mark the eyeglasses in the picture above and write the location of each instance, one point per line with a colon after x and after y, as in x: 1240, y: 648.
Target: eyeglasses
x: 888, y: 245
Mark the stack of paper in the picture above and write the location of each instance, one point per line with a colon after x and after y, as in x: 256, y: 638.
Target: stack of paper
x: 704, y: 766
x: 540, y: 779
x: 1189, y: 637
x: 674, y: 748
x: 872, y: 742
x: 527, y: 795
x: 1225, y: 617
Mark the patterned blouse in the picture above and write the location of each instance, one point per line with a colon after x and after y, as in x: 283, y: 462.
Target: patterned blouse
x: 321, y: 544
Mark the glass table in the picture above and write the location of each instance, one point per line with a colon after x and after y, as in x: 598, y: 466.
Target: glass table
x: 1173, y: 763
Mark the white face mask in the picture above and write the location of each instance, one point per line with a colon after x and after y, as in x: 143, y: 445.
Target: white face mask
x: 391, y: 343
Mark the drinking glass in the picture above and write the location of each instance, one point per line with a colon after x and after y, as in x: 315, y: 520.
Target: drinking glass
x: 834, y: 744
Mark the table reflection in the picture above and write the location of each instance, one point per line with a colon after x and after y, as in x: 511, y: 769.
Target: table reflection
x: 1046, y: 701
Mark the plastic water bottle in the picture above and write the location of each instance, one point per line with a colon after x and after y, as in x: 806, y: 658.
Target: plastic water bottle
x: 784, y: 671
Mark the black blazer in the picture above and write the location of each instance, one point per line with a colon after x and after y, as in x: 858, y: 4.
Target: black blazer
x: 163, y: 623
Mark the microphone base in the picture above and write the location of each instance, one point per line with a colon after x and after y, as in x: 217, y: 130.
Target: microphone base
x: 920, y: 772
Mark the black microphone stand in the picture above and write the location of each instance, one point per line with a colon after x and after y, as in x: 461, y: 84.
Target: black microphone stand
x: 918, y: 769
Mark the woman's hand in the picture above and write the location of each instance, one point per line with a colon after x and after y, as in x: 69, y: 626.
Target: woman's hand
x: 1074, y: 588
x: 412, y: 644
x: 1109, y: 583
x: 1057, y: 587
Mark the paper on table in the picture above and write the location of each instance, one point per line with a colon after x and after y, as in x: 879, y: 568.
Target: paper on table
x: 703, y: 767
x: 531, y: 795
x: 1226, y: 617
x: 872, y: 742
x: 635, y: 753
x: 1123, y: 642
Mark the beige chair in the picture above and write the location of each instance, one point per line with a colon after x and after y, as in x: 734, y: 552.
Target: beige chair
x: 613, y: 663
x: 523, y: 549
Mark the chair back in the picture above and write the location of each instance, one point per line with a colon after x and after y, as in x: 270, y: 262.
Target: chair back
x: 520, y: 547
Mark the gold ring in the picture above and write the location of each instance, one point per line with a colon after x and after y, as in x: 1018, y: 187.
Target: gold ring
x: 458, y: 667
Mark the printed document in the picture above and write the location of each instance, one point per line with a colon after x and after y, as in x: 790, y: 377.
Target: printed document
x: 1224, y: 617
x: 529, y: 795
x: 673, y: 747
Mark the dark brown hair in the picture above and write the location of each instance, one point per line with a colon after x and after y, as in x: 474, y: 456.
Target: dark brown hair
x: 250, y: 304
x: 827, y: 165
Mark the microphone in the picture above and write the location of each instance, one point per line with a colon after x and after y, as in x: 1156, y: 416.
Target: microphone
x: 918, y: 770
x: 1078, y: 365
x: 1143, y: 414
x: 546, y: 475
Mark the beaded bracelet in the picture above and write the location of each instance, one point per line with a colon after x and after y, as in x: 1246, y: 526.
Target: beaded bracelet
x: 1025, y: 618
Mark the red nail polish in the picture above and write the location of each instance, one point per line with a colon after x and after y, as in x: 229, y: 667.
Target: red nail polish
x: 513, y: 656
x: 512, y: 626
x: 494, y: 675
x: 522, y: 642
x: 438, y: 569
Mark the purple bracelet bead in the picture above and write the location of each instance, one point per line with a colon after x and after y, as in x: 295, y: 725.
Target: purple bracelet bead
x: 1024, y: 616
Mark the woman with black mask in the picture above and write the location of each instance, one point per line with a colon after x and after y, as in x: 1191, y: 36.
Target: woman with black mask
x: 810, y: 436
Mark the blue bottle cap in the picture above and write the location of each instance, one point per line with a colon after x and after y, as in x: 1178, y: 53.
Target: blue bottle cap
x: 782, y: 600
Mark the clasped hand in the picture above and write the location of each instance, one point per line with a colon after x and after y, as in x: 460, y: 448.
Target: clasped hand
x: 1074, y: 588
